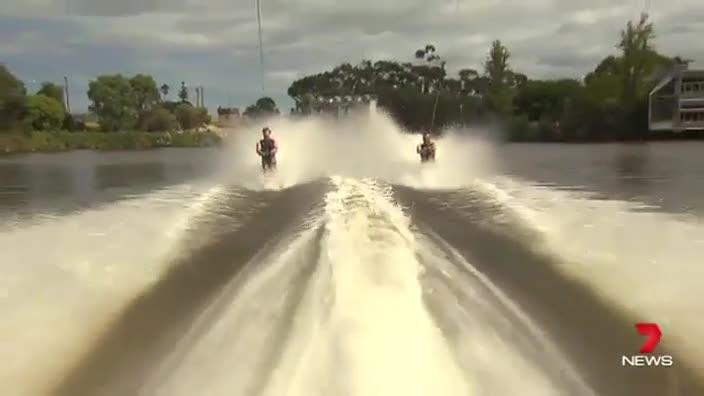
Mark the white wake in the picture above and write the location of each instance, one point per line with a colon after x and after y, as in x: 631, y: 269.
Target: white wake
x: 63, y: 279
x: 348, y: 319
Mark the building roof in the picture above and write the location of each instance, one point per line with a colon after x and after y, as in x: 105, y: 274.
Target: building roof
x: 679, y: 71
x: 693, y: 73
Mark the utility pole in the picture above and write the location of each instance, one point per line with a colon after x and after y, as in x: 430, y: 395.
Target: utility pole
x: 66, y: 92
x: 202, y: 97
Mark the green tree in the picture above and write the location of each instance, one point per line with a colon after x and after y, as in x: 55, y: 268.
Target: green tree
x: 190, y: 117
x: 609, y: 66
x: 54, y: 91
x: 607, y: 101
x: 44, y: 113
x: 262, y: 108
x: 540, y: 100
x: 496, y: 66
x: 500, y: 77
x: 183, y: 92
x: 637, y: 56
x: 468, y: 77
x: 165, y: 88
x: 145, y: 92
x: 431, y: 72
x: 114, y: 102
x: 158, y: 119
x: 12, y: 98
x: 519, y: 80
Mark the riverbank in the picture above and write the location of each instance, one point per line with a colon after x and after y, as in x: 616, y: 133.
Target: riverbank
x: 519, y: 130
x: 14, y: 143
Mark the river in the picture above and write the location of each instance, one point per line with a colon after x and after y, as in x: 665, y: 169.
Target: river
x: 501, y: 270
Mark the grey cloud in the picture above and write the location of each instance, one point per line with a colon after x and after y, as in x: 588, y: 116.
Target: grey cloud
x: 214, y: 42
x: 567, y: 60
x: 119, y: 7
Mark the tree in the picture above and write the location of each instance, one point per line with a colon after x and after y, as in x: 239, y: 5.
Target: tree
x: 431, y: 72
x: 499, y: 74
x: 183, y: 93
x: 165, y: 91
x: 53, y: 91
x: 264, y: 107
x: 678, y: 60
x: 114, y: 102
x: 145, y: 92
x: 158, y: 119
x: 519, y: 80
x: 540, y: 100
x: 467, y: 79
x: 496, y: 66
x: 637, y: 56
x: 267, y: 104
x: 44, y: 113
x: 607, y: 101
x: 190, y: 117
x: 12, y: 98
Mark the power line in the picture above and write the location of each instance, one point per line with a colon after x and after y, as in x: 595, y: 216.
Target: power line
x: 261, y: 47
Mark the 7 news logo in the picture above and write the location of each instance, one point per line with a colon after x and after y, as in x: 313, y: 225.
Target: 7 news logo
x: 646, y: 358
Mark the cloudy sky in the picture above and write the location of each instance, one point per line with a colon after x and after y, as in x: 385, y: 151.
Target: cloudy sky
x: 213, y: 43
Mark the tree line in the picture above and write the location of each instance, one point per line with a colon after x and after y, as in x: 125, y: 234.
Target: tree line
x: 610, y: 102
x: 118, y: 102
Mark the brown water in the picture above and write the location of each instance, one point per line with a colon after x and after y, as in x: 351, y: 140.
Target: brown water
x: 153, y: 273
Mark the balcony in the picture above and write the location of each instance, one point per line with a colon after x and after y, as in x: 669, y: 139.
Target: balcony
x: 677, y: 102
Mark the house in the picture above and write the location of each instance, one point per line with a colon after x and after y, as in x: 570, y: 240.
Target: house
x: 228, y: 116
x: 677, y: 101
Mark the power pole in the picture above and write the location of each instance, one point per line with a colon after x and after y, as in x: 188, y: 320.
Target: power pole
x: 202, y: 97
x: 68, y: 103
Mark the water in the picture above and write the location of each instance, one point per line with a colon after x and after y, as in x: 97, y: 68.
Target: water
x: 500, y: 270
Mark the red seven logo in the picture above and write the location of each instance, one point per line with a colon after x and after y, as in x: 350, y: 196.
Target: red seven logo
x: 652, y: 331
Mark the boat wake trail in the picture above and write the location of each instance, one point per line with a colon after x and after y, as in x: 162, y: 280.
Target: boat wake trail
x: 358, y: 302
x: 362, y: 274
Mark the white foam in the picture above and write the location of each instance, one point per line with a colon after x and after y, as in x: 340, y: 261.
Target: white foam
x: 647, y: 263
x: 388, y: 340
x: 361, y: 326
x: 367, y: 145
x: 64, y: 278
x: 220, y: 354
x: 489, y: 342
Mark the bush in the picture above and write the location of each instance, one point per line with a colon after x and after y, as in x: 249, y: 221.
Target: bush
x: 190, y: 117
x: 62, y: 141
x: 44, y: 113
x: 158, y: 119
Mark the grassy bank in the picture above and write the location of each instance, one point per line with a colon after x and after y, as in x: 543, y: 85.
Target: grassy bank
x: 11, y: 143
